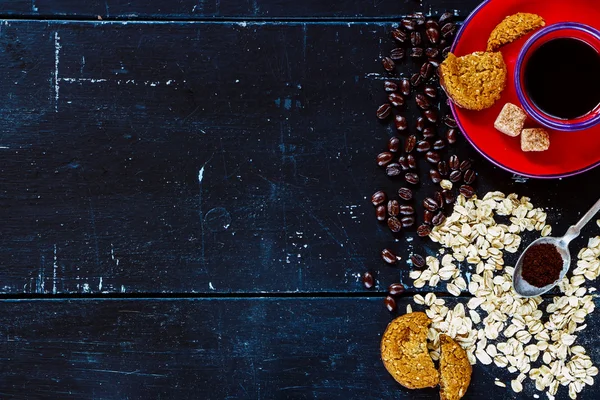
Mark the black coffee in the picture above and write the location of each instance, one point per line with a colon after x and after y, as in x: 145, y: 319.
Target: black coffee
x: 562, y: 78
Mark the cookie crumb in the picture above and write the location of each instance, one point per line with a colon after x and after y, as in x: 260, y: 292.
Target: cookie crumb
x: 512, y: 28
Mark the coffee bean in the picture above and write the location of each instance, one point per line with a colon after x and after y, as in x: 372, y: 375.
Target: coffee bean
x: 405, y: 193
x: 416, y: 52
x: 420, y: 124
x: 400, y: 122
x: 430, y: 91
x: 448, y: 30
x: 416, y: 79
x: 426, y: 70
x: 380, y: 213
x: 454, y: 162
x: 439, y: 144
x: 390, y: 86
x: 446, y: 17
x: 422, y: 101
x: 449, y: 197
x: 433, y: 35
x: 430, y: 204
x: 451, y: 135
x: 435, y: 63
x: 405, y: 86
x: 378, y: 198
x: 409, y: 144
x: 438, y: 219
x: 409, y: 24
x: 394, y: 144
x: 417, y: 260
x: 393, y: 208
x: 415, y: 39
x: 433, y: 157
x: 435, y: 176
x: 443, y: 168
x: 469, y: 176
x: 423, y: 146
x: 418, y: 17
x: 384, y: 158
x: 431, y: 115
x: 423, y: 230
x: 412, y: 162
x: 449, y: 121
x: 432, y: 52
x: 368, y: 280
x: 388, y: 64
x: 408, y: 221
x: 445, y: 52
x: 429, y: 132
x: 411, y: 178
x: 443, y: 43
x: 394, y: 224
x: 403, y: 163
x: 427, y: 217
x: 397, y: 54
x: 390, y: 303
x: 439, y: 198
x: 395, y: 289
x: 431, y: 24
x: 399, y: 36
x: 455, y: 176
x: 393, y: 169
x: 465, y: 165
x: 407, y: 209
x: 384, y: 111
x: 467, y: 191
x: 396, y: 99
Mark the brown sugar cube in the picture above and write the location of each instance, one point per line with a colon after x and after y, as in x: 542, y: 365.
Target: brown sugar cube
x: 511, y: 119
x: 536, y: 139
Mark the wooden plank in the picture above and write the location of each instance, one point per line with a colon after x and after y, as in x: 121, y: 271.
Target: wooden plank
x: 217, y: 9
x: 202, y: 158
x: 212, y: 349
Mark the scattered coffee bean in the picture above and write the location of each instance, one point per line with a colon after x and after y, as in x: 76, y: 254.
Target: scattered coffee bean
x: 435, y: 176
x: 407, y: 221
x: 394, y: 144
x: 430, y: 91
x: 422, y: 101
x: 384, y: 158
x: 393, y: 169
x: 412, y: 162
x: 380, y: 213
x: 454, y: 162
x: 393, y: 208
x: 428, y: 132
x: 451, y: 135
x: 411, y: 178
x: 397, y: 54
x: 443, y: 168
x: 396, y: 99
x: 431, y: 24
x: 378, y: 198
x: 467, y: 191
x: 409, y: 144
x: 399, y: 36
x: 423, y: 230
x: 419, y: 18
x: 449, y: 197
x: 449, y: 121
x: 400, y: 122
x: 445, y: 52
x: 384, y: 111
x: 405, y: 86
x: 433, y: 157
x: 430, y: 204
x: 395, y: 289
x: 403, y: 163
x: 446, y: 17
x: 439, y: 144
x: 465, y: 165
x: 437, y: 196
x: 409, y: 24
x: 416, y: 79
x: 423, y: 146
x: 432, y: 52
x: 469, y: 176
x: 415, y: 39
x: 407, y: 209
x: 416, y: 52
x: 431, y: 115
x: 390, y: 86
x: 426, y: 70
x: 420, y: 124
x: 390, y: 303
x: 448, y: 30
x: 427, y: 217
x: 417, y: 260
x: 405, y: 193
x: 455, y: 176
x: 388, y: 64
x: 434, y: 62
x: 394, y: 224
x: 438, y: 219
x: 433, y: 35
x: 368, y: 280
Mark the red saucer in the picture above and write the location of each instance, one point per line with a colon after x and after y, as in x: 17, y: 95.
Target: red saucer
x: 570, y: 153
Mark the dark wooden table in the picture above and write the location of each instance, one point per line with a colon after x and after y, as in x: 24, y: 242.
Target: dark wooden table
x: 184, y: 204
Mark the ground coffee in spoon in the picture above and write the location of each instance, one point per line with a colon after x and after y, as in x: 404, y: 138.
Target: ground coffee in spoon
x: 542, y: 264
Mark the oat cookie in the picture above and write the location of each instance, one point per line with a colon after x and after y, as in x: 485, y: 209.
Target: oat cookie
x: 404, y: 351
x: 513, y: 27
x: 474, y: 81
x: 511, y: 119
x: 535, y: 139
x: 455, y: 369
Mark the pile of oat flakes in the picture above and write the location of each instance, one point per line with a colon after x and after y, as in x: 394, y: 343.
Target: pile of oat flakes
x: 496, y: 325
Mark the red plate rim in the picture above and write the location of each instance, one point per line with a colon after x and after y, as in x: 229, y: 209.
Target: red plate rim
x: 466, y: 135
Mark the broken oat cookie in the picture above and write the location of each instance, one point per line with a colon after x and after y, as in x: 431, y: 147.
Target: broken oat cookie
x: 455, y: 369
x: 511, y: 119
x: 535, y: 139
x: 404, y: 351
x: 513, y: 27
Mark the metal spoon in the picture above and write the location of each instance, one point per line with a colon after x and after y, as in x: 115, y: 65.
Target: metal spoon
x: 562, y: 245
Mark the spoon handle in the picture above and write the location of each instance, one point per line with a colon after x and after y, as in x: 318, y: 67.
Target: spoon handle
x: 574, y: 230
